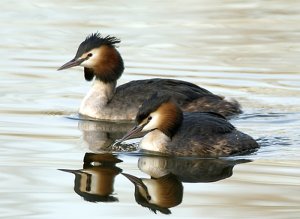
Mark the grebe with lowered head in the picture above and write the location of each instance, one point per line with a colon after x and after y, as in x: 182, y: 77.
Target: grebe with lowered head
x: 172, y: 132
x: 101, y: 60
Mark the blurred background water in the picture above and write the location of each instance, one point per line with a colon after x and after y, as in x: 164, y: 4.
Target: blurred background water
x: 246, y: 50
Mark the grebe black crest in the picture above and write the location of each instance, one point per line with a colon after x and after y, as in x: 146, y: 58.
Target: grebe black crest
x: 95, y: 40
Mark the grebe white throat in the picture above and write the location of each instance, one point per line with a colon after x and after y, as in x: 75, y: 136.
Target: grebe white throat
x: 155, y: 141
x: 97, y: 98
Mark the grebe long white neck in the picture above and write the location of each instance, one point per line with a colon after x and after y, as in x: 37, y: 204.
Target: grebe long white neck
x: 98, y: 96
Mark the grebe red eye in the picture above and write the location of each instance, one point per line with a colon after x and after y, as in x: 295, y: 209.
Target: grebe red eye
x: 90, y: 55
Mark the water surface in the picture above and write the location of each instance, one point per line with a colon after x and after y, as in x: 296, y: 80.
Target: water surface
x: 248, y: 51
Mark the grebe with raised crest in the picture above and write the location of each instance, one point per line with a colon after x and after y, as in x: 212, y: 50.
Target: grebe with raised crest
x: 105, y: 101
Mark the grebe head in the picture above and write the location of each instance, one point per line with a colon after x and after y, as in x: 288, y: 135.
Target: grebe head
x: 99, y: 57
x: 157, y: 194
x: 158, y: 112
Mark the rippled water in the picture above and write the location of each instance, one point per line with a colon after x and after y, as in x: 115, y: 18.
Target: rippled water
x: 247, y: 50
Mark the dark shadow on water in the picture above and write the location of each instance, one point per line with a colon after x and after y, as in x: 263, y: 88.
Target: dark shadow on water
x: 159, y: 192
x: 189, y: 170
x: 95, y: 181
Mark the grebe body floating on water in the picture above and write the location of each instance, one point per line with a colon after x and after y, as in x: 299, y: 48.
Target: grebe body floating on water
x: 172, y: 132
x: 101, y: 60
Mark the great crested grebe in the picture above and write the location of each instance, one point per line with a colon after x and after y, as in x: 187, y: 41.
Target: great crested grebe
x: 100, y: 59
x: 172, y: 132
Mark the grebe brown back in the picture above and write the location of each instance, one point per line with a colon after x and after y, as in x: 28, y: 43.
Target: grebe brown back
x: 101, y: 60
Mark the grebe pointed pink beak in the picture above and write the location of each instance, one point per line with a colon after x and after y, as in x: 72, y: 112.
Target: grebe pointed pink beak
x: 72, y: 63
x: 134, y: 130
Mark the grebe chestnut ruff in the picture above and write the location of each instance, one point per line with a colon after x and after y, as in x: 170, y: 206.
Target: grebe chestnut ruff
x: 172, y: 132
x: 101, y: 60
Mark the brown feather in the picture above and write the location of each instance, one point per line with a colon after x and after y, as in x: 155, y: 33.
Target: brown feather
x: 171, y: 118
x: 110, y: 66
